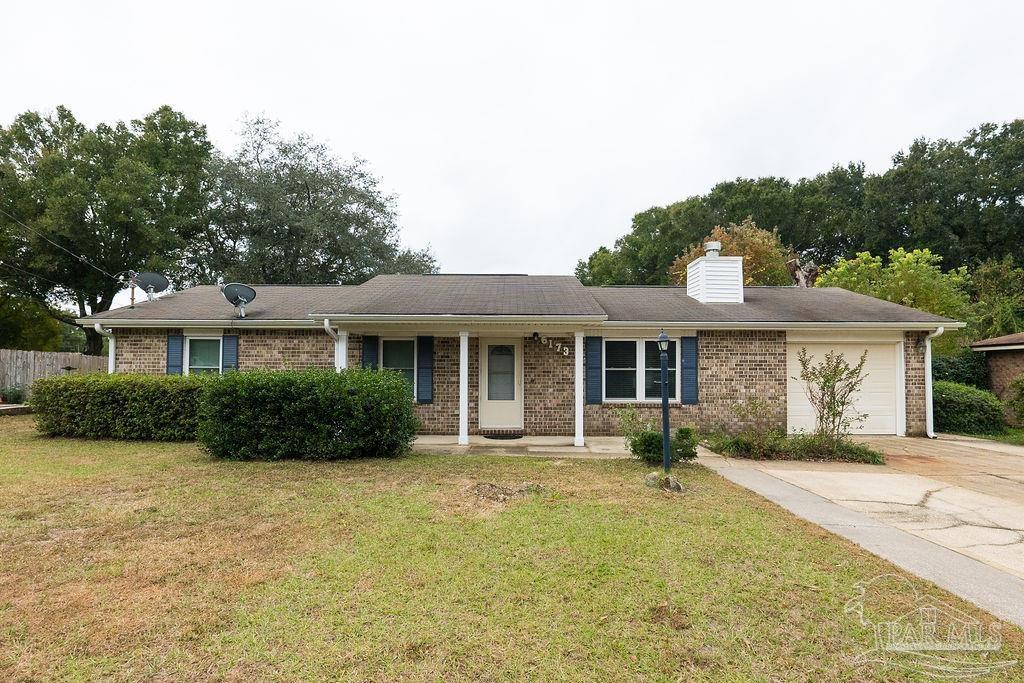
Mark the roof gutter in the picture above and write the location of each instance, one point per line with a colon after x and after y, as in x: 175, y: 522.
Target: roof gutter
x: 781, y: 325
x: 1001, y: 347
x: 929, y: 413
x: 452, y: 318
x: 297, y: 323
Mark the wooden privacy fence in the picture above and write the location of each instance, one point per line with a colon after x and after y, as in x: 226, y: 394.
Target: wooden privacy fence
x: 21, y: 368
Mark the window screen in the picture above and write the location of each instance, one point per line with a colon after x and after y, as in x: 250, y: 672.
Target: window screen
x: 620, y: 369
x: 400, y: 355
x: 203, y: 355
x: 652, y: 370
x: 501, y: 373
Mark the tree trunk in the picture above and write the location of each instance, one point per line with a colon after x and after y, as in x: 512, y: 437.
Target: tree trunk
x: 93, y: 342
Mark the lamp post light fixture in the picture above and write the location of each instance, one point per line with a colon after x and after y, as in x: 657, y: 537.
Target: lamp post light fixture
x: 665, y: 445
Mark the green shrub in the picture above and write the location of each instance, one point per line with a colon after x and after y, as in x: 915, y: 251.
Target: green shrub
x: 684, y: 444
x: 134, y: 407
x: 313, y: 414
x: 12, y: 394
x: 817, y: 447
x: 1015, y: 399
x: 778, y: 446
x: 966, y: 410
x: 967, y: 367
x: 646, y: 445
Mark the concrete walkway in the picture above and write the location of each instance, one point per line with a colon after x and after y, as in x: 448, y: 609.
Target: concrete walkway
x: 865, y: 497
x: 596, y: 448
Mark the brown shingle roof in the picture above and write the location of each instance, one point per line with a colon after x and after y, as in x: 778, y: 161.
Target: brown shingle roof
x: 482, y: 295
x: 273, y: 302
x: 1005, y: 340
x: 760, y: 304
x: 521, y: 295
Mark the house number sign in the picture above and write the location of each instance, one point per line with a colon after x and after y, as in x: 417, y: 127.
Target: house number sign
x: 558, y: 347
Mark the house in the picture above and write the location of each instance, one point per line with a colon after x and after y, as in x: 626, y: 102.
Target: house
x: 545, y: 355
x: 1005, y: 358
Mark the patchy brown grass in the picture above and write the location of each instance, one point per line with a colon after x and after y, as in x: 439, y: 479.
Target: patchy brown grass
x: 134, y: 561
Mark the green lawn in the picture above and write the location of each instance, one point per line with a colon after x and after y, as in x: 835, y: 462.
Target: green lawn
x: 1014, y: 435
x: 139, y: 561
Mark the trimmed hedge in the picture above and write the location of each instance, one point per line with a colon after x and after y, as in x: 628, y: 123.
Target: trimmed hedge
x: 132, y: 407
x: 312, y: 414
x: 963, y: 409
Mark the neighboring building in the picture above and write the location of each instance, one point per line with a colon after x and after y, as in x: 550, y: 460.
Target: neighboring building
x: 544, y: 355
x: 1005, y: 358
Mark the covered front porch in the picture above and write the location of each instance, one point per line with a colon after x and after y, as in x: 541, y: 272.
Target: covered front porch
x: 491, y: 380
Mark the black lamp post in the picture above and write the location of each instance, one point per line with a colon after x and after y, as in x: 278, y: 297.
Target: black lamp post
x: 663, y: 347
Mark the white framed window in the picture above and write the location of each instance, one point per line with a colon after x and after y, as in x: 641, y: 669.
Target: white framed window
x: 399, y: 354
x: 632, y: 370
x: 203, y: 355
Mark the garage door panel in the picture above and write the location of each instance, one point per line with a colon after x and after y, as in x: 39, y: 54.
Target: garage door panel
x: 877, y: 396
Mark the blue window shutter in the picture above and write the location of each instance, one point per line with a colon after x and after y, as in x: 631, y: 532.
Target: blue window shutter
x: 229, y: 353
x: 592, y: 356
x: 424, y: 369
x: 175, y: 352
x: 370, y: 352
x: 689, y: 348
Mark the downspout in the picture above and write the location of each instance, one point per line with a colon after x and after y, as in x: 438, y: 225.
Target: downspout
x: 340, y: 345
x: 929, y: 415
x: 110, y: 345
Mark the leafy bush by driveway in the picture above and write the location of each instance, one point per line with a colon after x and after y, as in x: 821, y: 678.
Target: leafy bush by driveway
x: 966, y: 410
x: 130, y: 407
x: 313, y: 414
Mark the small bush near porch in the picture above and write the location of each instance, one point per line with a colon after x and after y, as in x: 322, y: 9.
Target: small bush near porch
x: 134, y: 560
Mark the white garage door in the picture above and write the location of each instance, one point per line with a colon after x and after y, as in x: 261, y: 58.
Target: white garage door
x: 878, y: 395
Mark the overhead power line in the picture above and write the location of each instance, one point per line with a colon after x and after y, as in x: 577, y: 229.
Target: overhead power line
x: 78, y: 257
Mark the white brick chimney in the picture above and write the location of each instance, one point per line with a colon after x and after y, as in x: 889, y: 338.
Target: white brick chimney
x: 715, y: 279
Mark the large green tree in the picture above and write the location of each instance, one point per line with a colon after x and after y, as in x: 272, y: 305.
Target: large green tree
x: 910, y: 278
x: 962, y: 200
x: 286, y: 210
x: 80, y: 205
x: 24, y: 324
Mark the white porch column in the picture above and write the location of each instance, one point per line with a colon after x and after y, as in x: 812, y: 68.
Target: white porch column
x: 463, y: 388
x: 578, y: 347
x: 341, y: 351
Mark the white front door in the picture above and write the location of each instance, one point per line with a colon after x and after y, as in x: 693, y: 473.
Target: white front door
x: 501, y: 383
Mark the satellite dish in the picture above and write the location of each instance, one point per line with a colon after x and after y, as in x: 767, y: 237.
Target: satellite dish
x: 238, y: 295
x: 151, y: 283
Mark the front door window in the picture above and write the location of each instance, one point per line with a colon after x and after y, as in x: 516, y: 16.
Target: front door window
x: 501, y: 373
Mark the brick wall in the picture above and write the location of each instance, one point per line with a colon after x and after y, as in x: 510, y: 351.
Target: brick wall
x: 549, y: 388
x: 1003, y: 368
x: 142, y: 350
x: 914, y: 371
x: 284, y: 349
x: 732, y: 365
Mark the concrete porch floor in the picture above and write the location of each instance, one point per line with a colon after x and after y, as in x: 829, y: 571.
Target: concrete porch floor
x: 596, y: 448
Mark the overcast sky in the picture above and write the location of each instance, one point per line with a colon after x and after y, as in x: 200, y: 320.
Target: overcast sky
x: 520, y: 136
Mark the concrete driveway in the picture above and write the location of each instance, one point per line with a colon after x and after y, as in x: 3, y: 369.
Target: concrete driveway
x: 961, y: 493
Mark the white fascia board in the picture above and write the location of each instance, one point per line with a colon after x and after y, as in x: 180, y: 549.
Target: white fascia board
x: 463, y: 319
x: 780, y: 325
x: 1005, y: 347
x: 231, y: 323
